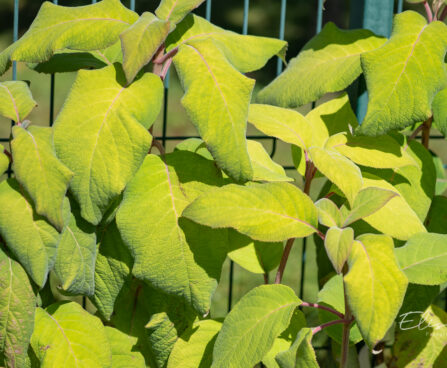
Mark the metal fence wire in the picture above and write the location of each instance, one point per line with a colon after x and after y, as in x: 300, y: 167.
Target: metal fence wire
x: 375, y: 15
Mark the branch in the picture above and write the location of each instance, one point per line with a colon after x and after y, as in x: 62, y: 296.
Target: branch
x: 428, y: 11
x: 282, y: 264
x: 426, y: 132
x: 323, y: 307
x: 7, y: 153
x: 165, y: 69
x: 159, y: 146
x: 443, y: 14
x: 415, y: 133
x: 160, y: 59
x: 328, y: 324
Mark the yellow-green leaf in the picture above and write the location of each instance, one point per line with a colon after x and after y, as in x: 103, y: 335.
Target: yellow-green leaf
x: 216, y: 99
x: 37, y: 168
x: 338, y: 243
x: 329, y: 62
x: 375, y: 285
x: 264, y: 168
x: 249, y: 330
x: 65, y: 335
x: 175, y: 10
x: 404, y: 75
x: 60, y: 27
x: 16, y: 101
x: 105, y: 142
x: 140, y: 42
x: 17, y: 305
x: 288, y: 125
x: 266, y: 212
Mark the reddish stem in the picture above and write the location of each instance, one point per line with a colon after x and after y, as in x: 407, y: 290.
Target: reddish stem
x: 328, y: 324
x: 266, y: 278
x: 160, y: 59
x: 285, y: 256
x: 426, y: 132
x: 428, y: 11
x: 323, y: 307
x: 443, y: 14
x: 7, y: 153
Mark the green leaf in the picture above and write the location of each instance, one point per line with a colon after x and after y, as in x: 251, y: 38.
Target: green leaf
x: 140, y: 42
x: 404, y: 75
x: 389, y: 219
x: 338, y: 243
x: 328, y: 213
x: 163, y: 330
x: 301, y: 354
x: 441, y: 177
x: 329, y: 62
x: 245, y: 53
x: 266, y: 212
x: 104, y: 143
x: 112, y: 270
x: 288, y: 125
x: 423, y: 258
x: 415, y: 183
x: 331, y: 295
x: 155, y: 234
x: 224, y: 95
x: 60, y: 27
x: 147, y: 303
x: 175, y: 10
x: 421, y: 337
x: 194, y: 348
x: 339, y: 170
x: 285, y: 339
x: 17, y: 305
x: 37, y: 168
x: 121, y: 346
x: 437, y: 217
x: 254, y: 256
x: 65, y: 335
x: 30, y: 237
x: 249, y: 330
x: 368, y: 201
x: 381, y: 152
x: 330, y: 118
x: 195, y: 145
x: 264, y: 168
x: 76, y: 255
x: 373, y: 299
x: 439, y: 108
x: 4, y: 160
x: 16, y: 100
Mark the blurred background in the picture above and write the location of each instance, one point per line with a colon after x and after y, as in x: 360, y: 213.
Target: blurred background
x: 264, y: 18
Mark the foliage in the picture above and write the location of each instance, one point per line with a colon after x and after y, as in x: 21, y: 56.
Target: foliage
x: 92, y: 211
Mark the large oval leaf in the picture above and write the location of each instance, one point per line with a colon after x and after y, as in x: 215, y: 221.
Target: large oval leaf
x: 17, y: 305
x: 92, y: 27
x: 175, y: 10
x: 111, y: 134
x: 329, y: 62
x: 249, y: 330
x: 400, y: 88
x: 32, y: 240
x: 150, y: 224
x: 65, y: 335
x: 265, y: 212
x: 216, y: 100
x: 40, y: 172
x: 375, y: 285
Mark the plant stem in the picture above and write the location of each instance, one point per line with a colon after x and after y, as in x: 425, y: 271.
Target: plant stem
x: 158, y: 67
x: 346, y: 329
x: 323, y: 307
x: 266, y: 278
x: 416, y: 132
x: 160, y: 59
x: 308, y: 176
x: 426, y: 132
x: 159, y: 146
x: 328, y: 324
x: 428, y: 11
x: 282, y: 264
x: 443, y: 14
x: 6, y: 152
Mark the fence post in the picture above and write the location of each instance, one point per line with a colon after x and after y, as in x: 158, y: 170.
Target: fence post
x: 377, y: 16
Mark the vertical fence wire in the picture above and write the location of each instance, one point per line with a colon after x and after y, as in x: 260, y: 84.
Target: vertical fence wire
x: 400, y: 6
